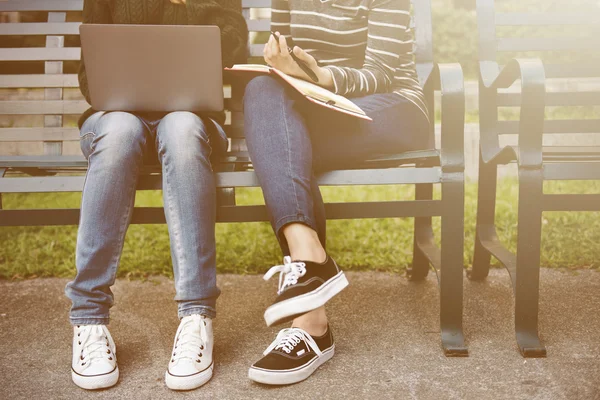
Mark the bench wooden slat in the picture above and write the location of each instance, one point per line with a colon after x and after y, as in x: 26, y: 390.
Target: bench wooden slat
x: 41, y: 54
x: 77, y: 5
x: 37, y: 107
x: 555, y: 126
x: 259, y: 25
x: 40, y: 28
x: 39, y: 81
x: 256, y: 3
x: 41, y: 5
x: 253, y: 213
x: 589, y: 69
x: 38, y: 134
x: 529, y: 19
x: 548, y: 44
x: 256, y: 50
x: 231, y: 179
x: 553, y: 99
x: 572, y: 171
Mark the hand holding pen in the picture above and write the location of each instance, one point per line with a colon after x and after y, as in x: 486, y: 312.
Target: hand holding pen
x: 295, y: 62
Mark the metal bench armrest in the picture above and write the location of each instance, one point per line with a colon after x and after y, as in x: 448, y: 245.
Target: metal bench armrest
x: 533, y: 90
x: 449, y: 79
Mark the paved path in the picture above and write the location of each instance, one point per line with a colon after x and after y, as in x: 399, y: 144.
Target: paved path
x: 388, y: 343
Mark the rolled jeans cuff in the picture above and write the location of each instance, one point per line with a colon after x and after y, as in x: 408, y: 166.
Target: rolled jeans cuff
x: 89, y: 320
x: 290, y: 219
x: 206, y: 311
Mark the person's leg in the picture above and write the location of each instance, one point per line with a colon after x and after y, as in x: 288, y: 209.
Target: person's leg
x: 341, y: 141
x: 184, y: 148
x: 281, y: 151
x: 114, y: 144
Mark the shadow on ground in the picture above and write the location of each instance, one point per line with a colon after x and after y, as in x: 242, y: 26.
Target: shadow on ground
x: 387, y: 333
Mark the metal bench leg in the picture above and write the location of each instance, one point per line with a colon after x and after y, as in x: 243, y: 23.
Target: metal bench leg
x: 486, y: 229
x: 423, y: 235
x: 451, y: 277
x: 528, y: 263
x: 2, y: 172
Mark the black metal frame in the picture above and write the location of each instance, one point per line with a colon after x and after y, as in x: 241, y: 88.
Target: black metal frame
x: 444, y: 166
x: 534, y: 166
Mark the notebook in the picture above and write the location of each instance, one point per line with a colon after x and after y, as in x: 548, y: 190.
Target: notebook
x: 313, y: 93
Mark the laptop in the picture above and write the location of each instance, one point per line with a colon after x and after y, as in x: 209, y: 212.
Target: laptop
x: 153, y: 68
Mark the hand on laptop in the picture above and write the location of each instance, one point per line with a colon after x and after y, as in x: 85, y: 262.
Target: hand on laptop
x: 276, y: 54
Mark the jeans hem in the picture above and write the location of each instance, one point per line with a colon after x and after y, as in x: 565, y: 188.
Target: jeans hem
x: 89, y: 320
x: 290, y: 219
x: 206, y: 311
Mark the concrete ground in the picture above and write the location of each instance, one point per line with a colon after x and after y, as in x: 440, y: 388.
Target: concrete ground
x: 387, y: 331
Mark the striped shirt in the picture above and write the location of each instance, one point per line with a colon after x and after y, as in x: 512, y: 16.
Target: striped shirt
x: 367, y: 44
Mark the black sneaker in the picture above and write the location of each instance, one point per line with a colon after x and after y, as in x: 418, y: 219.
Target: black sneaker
x: 292, y: 357
x: 303, y: 287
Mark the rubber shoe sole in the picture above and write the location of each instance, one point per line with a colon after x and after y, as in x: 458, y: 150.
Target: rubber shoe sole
x: 96, y: 381
x: 289, y: 309
x: 288, y: 377
x: 189, y: 382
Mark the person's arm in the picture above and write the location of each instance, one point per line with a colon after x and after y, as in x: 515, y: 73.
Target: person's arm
x: 388, y: 39
x: 227, y: 15
x: 94, y: 12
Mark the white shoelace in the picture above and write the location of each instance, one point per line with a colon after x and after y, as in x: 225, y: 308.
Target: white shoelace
x: 189, y: 343
x: 289, y: 273
x: 95, y: 345
x: 288, y: 338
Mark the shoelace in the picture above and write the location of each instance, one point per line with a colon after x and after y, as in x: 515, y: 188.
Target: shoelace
x: 189, y: 343
x: 288, y: 338
x: 95, y: 345
x: 289, y: 273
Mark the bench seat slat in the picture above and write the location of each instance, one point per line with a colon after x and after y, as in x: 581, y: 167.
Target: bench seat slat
x: 387, y: 176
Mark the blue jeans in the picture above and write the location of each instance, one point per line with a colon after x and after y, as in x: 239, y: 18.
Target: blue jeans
x: 289, y: 138
x: 117, y: 145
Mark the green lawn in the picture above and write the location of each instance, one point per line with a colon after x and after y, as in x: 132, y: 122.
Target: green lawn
x: 569, y: 239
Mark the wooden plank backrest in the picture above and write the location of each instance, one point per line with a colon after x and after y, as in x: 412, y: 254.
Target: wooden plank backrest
x: 54, y: 106
x: 566, y: 37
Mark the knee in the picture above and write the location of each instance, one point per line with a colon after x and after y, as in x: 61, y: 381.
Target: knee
x: 119, y: 135
x: 182, y: 133
x: 260, y: 90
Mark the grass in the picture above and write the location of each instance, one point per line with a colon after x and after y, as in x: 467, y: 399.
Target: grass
x: 569, y: 239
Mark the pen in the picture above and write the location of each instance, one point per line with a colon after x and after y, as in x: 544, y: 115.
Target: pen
x: 300, y: 63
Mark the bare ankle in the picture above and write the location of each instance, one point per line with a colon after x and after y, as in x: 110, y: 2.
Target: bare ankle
x: 314, y: 323
x: 304, y: 243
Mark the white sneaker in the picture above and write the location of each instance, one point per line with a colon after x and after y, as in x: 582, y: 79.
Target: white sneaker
x: 94, y: 364
x: 191, y: 364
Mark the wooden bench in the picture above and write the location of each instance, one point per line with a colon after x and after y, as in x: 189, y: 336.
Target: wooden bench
x: 536, y: 162
x: 55, y: 172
